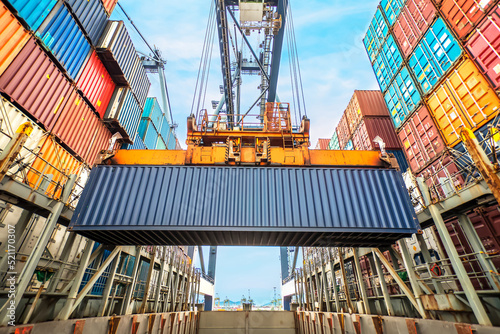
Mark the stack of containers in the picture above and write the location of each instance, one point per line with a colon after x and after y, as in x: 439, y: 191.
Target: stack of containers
x: 322, y: 144
x: 447, y: 80
x: 152, y: 122
x: 334, y: 142
x: 51, y: 74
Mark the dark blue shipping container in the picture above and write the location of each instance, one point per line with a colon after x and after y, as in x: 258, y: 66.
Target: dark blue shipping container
x: 67, y: 42
x: 434, y: 55
x: 401, y: 158
x: 188, y: 205
x: 137, y: 145
x: 92, y: 17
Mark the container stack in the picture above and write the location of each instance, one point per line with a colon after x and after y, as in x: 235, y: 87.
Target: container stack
x: 438, y: 67
x: 322, y: 144
x: 365, y: 118
x: 55, y: 72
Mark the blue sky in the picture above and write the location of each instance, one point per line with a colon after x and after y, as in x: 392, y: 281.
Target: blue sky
x: 333, y: 64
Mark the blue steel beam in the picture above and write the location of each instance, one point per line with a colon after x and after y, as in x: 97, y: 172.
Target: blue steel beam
x: 276, y: 55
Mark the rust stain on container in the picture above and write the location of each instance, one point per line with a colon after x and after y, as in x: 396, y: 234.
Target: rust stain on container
x: 36, y: 84
x: 13, y: 37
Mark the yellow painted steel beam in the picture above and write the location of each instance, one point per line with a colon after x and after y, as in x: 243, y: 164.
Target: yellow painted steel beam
x: 279, y: 156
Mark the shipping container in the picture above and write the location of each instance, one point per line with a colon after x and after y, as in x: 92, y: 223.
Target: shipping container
x: 464, y: 15
x: 484, y: 47
x: 33, y: 12
x: 376, y: 34
x: 92, y: 17
x: 109, y: 5
x: 370, y: 128
x: 484, y: 137
x: 334, y: 142
x: 322, y: 144
x: 391, y: 9
x: 434, y: 55
x: 152, y: 110
x: 168, y: 134
x: 34, y: 82
x: 137, y: 145
x: 365, y: 103
x: 139, y: 83
x: 148, y: 133
x: 10, y: 120
x: 343, y: 131
x: 117, y: 52
x: 401, y: 159
x: 443, y: 177
x: 412, y: 23
x: 96, y: 84
x: 387, y: 63
x: 65, y: 39
x: 349, y: 145
x: 160, y: 144
x: 464, y: 99
x: 402, y: 97
x: 13, y: 37
x: 124, y: 113
x: 421, y: 139
x: 50, y: 170
x: 339, y: 202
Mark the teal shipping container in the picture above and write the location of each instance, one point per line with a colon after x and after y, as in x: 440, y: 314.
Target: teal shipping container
x: 66, y: 40
x: 349, y: 146
x: 152, y: 110
x: 160, y: 144
x: 387, y: 63
x: 33, y: 12
x: 334, y: 142
x: 391, y: 9
x: 402, y: 97
x: 376, y: 34
x: 434, y: 55
x: 148, y: 133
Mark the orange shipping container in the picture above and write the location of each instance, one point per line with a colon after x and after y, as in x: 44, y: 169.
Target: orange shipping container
x: 13, y: 37
x: 464, y: 99
x: 52, y: 165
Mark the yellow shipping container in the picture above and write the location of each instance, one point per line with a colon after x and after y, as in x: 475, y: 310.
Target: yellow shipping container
x: 463, y: 99
x: 53, y: 164
x: 13, y: 37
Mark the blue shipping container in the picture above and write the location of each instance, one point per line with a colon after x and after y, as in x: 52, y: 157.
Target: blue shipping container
x: 67, y: 42
x: 402, y: 97
x: 33, y: 12
x: 92, y: 17
x: 152, y: 110
x: 160, y: 144
x: 261, y: 206
x: 387, y: 63
x: 139, y: 82
x: 148, y: 133
x: 125, y: 111
x: 334, y: 142
x: 349, y: 146
x: 137, y: 145
x: 401, y: 158
x: 434, y: 55
x: 391, y: 9
x: 376, y: 34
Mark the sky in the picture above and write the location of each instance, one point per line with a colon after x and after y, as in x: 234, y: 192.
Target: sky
x: 333, y: 64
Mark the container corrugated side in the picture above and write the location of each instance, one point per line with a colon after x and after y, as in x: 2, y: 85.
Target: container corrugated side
x: 153, y: 111
x: 370, y: 128
x: 139, y: 83
x: 11, y: 119
x: 365, y: 103
x: 165, y: 127
x: 421, y: 139
x: 464, y: 15
x: 109, y: 5
x: 54, y: 164
x: 137, y: 145
x: 125, y: 112
x: 33, y: 12
x: 160, y: 144
x: 334, y: 142
x: 387, y: 63
x: 465, y: 99
x: 117, y: 52
x: 411, y: 24
x: 36, y: 84
x: 402, y: 97
x: 484, y: 46
x: 370, y: 205
x: 148, y: 133
x: 96, y: 84
x: 400, y: 158
x: 434, y: 55
x: 391, y: 9
x: 13, y: 37
x: 92, y: 17
x: 67, y: 42
x: 343, y: 131
x: 322, y: 144
x: 375, y: 36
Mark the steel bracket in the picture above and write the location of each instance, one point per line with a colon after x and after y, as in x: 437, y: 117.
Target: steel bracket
x: 113, y: 325
x: 79, y: 327
x: 412, y: 326
x: 377, y: 323
x: 151, y: 323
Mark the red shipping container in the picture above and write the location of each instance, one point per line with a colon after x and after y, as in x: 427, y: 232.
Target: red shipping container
x: 443, y: 177
x: 109, y: 5
x: 464, y: 15
x: 421, y: 139
x: 343, y: 131
x: 96, y: 84
x: 411, y: 24
x: 484, y: 47
x: 36, y: 84
x: 365, y: 103
x: 370, y: 128
x: 322, y: 144
x: 100, y: 141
